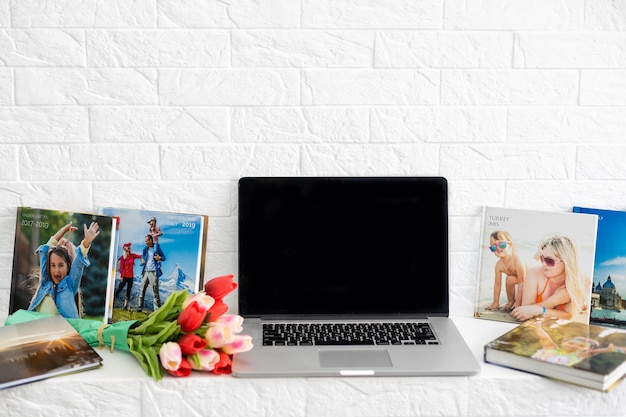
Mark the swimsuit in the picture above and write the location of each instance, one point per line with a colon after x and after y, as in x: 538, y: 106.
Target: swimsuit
x: 540, y: 298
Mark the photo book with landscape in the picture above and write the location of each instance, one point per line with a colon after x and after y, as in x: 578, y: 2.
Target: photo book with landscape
x: 578, y: 353
x: 42, y: 348
x: 180, y: 240
x: 608, y: 306
x: 53, y: 272
x: 510, y: 251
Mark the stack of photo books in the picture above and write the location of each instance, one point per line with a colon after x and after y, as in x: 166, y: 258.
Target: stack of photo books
x: 558, y: 275
x: 114, y: 265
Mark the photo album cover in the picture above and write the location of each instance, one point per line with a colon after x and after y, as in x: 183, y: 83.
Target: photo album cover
x: 62, y: 262
x: 535, y: 263
x: 156, y: 254
x: 42, y: 348
x: 608, y: 305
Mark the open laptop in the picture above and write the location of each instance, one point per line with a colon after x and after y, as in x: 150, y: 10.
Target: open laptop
x: 324, y: 253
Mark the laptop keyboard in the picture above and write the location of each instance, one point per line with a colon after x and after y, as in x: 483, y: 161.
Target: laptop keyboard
x: 329, y: 334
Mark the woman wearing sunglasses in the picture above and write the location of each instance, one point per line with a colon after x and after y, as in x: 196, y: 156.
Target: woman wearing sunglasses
x: 509, y: 265
x: 556, y: 288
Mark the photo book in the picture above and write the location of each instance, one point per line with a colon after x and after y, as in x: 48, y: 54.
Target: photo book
x: 43, y: 348
x: 535, y: 262
x: 608, y: 303
x: 582, y: 354
x: 53, y: 271
x: 156, y: 253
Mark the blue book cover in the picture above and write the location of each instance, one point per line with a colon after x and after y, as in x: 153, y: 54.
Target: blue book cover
x: 156, y: 254
x: 608, y: 306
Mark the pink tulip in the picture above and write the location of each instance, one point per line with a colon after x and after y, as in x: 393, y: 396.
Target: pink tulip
x: 170, y: 356
x: 191, y: 343
x: 240, y: 343
x: 217, y: 335
x: 204, y: 360
x: 233, y: 321
x: 205, y: 301
x: 191, y: 317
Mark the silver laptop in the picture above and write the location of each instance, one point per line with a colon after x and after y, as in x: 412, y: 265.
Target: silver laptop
x: 346, y: 276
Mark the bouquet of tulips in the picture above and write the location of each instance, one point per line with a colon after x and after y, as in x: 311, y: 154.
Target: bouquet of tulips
x: 188, y: 332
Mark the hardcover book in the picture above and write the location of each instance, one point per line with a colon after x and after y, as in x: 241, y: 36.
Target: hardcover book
x: 608, y: 305
x: 582, y: 354
x: 62, y: 262
x: 535, y: 263
x: 42, y: 348
x: 156, y: 254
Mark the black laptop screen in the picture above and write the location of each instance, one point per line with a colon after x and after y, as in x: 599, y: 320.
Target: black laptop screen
x: 343, y: 245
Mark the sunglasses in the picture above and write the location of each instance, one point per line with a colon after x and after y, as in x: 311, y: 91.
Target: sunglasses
x: 549, y: 261
x: 501, y: 245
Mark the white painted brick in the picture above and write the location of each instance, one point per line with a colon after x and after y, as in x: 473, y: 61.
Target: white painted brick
x: 396, y: 49
x: 372, y: 14
x: 43, y: 124
x: 158, y: 48
x: 467, y: 198
x: 607, y: 194
x: 84, y: 14
x: 8, y: 168
x: 603, y: 87
x: 5, y: 13
x: 229, y: 13
x: 6, y: 87
x: 601, y: 162
x: 509, y: 87
x: 362, y: 160
x: 301, y: 49
x: 229, y: 87
x: 299, y: 124
x: 211, y: 198
x: 605, y: 15
x: 508, y: 162
x: 88, y: 162
x: 359, y: 87
x: 213, y: 162
x: 85, y: 86
x: 570, y: 50
x: 54, y: 192
x: 515, y: 14
x: 566, y: 124
x: 35, y: 48
x: 159, y: 124
x: 438, y: 124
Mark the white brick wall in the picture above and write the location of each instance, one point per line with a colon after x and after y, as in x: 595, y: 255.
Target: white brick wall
x: 163, y: 104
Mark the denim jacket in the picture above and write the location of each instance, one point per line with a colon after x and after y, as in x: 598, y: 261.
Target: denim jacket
x: 157, y: 251
x: 65, y: 290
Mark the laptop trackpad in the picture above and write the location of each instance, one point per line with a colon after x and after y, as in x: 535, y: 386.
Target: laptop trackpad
x: 354, y: 358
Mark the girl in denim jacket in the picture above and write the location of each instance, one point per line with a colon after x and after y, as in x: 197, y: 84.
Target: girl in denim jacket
x: 61, y: 271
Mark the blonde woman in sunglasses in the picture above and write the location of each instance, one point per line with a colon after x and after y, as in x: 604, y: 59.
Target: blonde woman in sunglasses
x: 556, y: 288
x: 510, y: 265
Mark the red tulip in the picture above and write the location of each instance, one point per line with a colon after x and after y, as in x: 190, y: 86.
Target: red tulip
x: 217, y: 310
x: 224, y: 365
x: 191, y: 343
x: 191, y: 317
x: 183, y: 370
x: 219, y: 287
